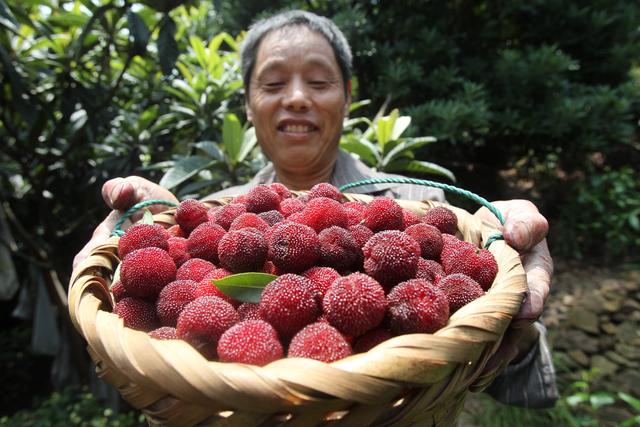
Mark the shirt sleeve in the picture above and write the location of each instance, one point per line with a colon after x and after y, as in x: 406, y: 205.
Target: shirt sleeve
x: 530, y: 383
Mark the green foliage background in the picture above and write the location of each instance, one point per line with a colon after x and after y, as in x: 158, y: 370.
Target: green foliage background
x: 534, y: 99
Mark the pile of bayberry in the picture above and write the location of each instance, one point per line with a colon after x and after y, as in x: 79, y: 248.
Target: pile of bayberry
x: 346, y: 275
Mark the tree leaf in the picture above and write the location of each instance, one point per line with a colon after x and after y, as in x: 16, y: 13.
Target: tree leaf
x: 139, y: 33
x: 249, y: 141
x: 198, y: 48
x: 184, y: 169
x: 401, y: 124
x: 600, y: 399
x: 406, y: 147
x: 232, y: 137
x: 245, y: 287
x: 211, y: 148
x: 167, y: 46
x: 420, y: 166
x: 361, y: 147
x: 635, y: 403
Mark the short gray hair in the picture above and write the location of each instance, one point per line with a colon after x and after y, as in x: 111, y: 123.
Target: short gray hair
x: 320, y: 24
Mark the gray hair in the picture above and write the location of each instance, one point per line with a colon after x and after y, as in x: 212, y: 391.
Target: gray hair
x: 320, y: 24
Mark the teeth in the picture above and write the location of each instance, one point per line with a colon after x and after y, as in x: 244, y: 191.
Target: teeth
x: 297, y: 128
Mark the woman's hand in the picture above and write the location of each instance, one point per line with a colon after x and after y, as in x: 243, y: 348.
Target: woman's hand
x: 120, y: 194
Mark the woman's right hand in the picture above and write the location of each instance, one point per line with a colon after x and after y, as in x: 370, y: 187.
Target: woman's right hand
x: 120, y: 194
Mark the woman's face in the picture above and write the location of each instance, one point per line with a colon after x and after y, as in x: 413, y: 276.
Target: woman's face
x: 297, y: 99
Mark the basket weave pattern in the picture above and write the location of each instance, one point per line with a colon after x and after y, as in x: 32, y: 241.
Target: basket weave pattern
x: 416, y: 379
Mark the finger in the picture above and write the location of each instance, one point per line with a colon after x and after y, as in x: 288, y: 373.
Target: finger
x: 524, y: 226
x: 119, y: 193
x: 538, y: 267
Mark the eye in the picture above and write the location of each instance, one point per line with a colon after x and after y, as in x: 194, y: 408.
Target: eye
x: 319, y: 84
x: 271, y: 86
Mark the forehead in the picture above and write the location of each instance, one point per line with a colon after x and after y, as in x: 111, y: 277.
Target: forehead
x: 294, y: 44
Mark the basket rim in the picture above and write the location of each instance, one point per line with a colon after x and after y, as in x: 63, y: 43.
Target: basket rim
x: 90, y: 301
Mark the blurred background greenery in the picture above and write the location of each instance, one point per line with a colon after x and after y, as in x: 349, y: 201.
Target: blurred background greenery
x: 509, y: 99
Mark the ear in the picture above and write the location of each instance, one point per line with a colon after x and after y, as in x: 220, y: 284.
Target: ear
x: 347, y: 101
x: 247, y: 108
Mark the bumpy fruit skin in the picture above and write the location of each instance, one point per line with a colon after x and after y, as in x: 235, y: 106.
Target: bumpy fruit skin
x: 137, y: 313
x: 383, y: 213
x: 176, y: 231
x: 194, y: 269
x: 338, y: 249
x: 417, y: 306
x: 428, y: 237
x: 178, y: 250
x: 172, y: 299
x: 118, y: 291
x: 203, y: 321
x: 144, y: 272
x: 319, y: 341
x: 371, y: 339
x: 410, y: 218
x: 242, y: 250
x: 249, y: 220
x: 324, y: 189
x: 228, y: 213
x: 354, y: 304
x: 281, y: 189
x: 390, y: 257
x: 261, y: 198
x: 361, y: 233
x: 203, y: 241
x: 289, y: 304
x: 207, y: 287
x: 164, y: 333
x: 442, y: 218
x: 249, y: 311
x: 190, y: 213
x: 460, y: 290
x: 323, y: 212
x: 479, y: 264
x: 451, y: 245
x: 429, y: 270
x: 293, y: 247
x: 321, y: 278
x: 141, y: 236
x: 271, y: 217
x: 290, y: 206
x: 250, y: 341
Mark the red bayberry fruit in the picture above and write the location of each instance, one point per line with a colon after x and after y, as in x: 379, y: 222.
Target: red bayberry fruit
x: 172, y: 299
x: 417, y: 306
x: 391, y: 256
x: 289, y: 304
x: 319, y: 341
x: 250, y: 341
x: 460, y: 290
x: 383, y: 213
x: 442, y: 218
x: 293, y: 247
x: 137, y: 313
x: 144, y: 272
x: 141, y: 236
x: 242, y: 250
x: 190, y: 213
x: 354, y: 304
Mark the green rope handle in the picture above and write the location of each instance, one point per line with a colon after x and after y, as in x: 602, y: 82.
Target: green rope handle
x: 117, y: 229
x: 468, y: 194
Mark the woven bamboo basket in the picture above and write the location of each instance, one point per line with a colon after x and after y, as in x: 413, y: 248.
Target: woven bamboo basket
x: 416, y: 379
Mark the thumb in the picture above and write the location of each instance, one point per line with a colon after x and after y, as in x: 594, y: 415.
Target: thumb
x: 122, y: 193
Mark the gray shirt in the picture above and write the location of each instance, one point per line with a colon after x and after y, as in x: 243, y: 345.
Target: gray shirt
x: 529, y: 383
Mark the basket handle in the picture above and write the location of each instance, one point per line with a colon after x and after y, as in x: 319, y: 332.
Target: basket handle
x: 117, y: 229
x: 453, y: 189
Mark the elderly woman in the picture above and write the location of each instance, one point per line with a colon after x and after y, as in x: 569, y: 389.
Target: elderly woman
x: 297, y: 69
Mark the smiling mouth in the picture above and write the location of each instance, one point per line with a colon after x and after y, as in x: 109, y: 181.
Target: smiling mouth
x: 296, y: 128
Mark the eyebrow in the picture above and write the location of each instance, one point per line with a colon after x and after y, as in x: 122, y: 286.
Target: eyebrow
x: 279, y: 63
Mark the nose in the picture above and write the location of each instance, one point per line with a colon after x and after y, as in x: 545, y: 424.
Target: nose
x: 297, y: 96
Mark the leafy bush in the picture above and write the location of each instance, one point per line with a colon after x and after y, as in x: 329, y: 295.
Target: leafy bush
x: 72, y: 407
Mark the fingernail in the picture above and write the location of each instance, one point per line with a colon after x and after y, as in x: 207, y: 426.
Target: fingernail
x: 115, y: 193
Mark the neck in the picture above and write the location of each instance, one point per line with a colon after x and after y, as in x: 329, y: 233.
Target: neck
x: 304, y: 179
